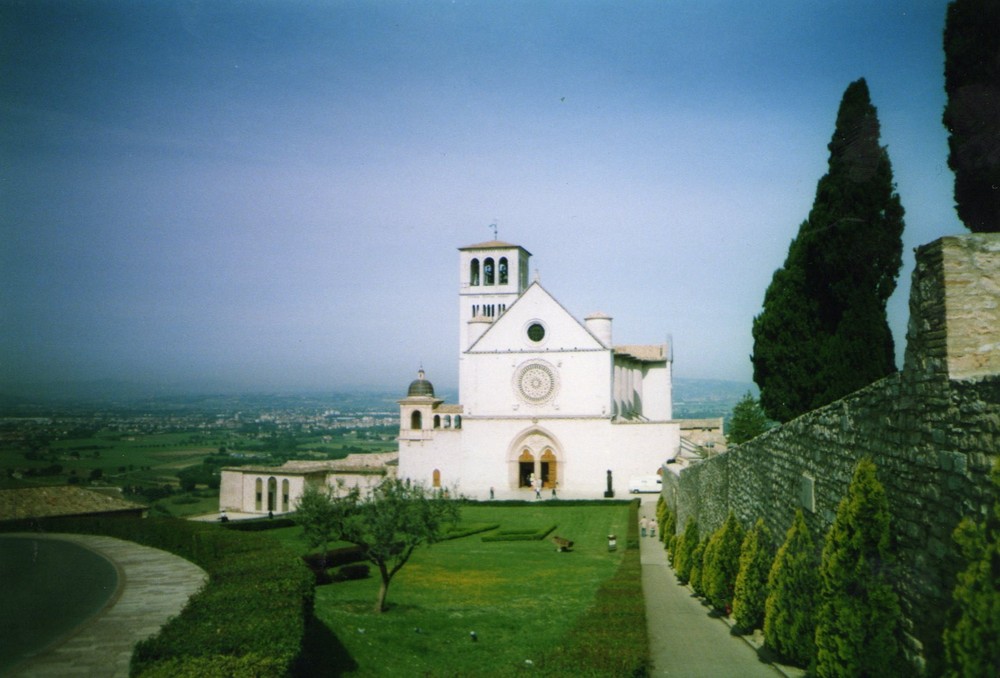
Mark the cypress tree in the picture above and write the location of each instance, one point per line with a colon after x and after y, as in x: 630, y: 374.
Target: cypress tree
x: 859, y: 619
x: 972, y: 639
x: 756, y: 558
x: 719, y: 575
x: 823, y: 331
x: 748, y: 420
x: 793, y: 585
x: 972, y: 114
x: 699, y: 557
x: 684, y: 550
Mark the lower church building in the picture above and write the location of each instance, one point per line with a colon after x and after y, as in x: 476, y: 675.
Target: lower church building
x: 546, y: 402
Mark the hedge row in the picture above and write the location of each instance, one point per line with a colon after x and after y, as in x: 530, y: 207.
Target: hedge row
x: 531, y: 534
x: 248, y: 620
x: 610, y: 638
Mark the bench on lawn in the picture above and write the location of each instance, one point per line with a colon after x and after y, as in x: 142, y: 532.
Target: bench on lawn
x: 562, y: 544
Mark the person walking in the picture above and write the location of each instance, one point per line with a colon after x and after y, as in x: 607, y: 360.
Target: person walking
x: 642, y: 525
x: 652, y: 527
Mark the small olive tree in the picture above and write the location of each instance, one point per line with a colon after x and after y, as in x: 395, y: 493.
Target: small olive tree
x: 388, y: 522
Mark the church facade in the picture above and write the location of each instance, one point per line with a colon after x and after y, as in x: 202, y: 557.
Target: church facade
x: 546, y: 401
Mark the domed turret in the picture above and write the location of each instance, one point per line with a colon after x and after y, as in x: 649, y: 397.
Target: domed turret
x: 420, y: 386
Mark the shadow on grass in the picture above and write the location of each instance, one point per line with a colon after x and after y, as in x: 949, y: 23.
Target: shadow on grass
x: 323, y: 654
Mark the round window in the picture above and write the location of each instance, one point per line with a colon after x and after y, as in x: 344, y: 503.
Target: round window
x: 536, y: 332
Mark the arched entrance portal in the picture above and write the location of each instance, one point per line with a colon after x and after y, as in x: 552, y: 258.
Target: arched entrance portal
x: 535, y: 454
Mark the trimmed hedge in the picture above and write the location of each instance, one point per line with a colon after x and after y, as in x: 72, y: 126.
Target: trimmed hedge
x: 248, y: 620
x: 525, y: 534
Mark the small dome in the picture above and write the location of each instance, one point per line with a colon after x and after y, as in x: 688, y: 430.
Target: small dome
x: 420, y: 386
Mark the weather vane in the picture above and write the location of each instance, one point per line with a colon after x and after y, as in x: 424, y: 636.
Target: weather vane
x: 494, y: 227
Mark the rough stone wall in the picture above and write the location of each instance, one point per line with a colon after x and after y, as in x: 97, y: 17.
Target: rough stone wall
x: 933, y: 430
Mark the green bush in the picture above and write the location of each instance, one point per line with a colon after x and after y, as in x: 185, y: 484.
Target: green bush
x: 687, y: 543
x: 793, y: 588
x: 350, y: 572
x: 859, y: 622
x: 756, y: 558
x: 699, y: 557
x: 720, y: 570
x: 972, y: 638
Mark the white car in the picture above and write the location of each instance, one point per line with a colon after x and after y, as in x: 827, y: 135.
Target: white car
x: 638, y: 484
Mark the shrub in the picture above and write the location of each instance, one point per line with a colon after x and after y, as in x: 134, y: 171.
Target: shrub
x: 972, y: 638
x: 859, y: 620
x: 683, y: 557
x: 719, y: 574
x: 699, y: 556
x: 756, y: 558
x: 349, y: 572
x: 793, y: 583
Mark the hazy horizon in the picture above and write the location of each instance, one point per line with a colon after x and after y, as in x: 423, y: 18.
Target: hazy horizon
x: 270, y: 196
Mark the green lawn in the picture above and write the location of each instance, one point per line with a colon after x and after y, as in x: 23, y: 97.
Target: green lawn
x: 519, y: 597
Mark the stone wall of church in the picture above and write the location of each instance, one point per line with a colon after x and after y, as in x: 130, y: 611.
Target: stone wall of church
x: 933, y: 430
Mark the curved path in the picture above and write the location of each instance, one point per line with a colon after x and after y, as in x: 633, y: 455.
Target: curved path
x: 684, y: 639
x: 153, y: 587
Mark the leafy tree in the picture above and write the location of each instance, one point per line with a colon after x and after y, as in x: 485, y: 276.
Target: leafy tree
x: 756, y: 558
x: 388, y: 523
x: 972, y: 638
x: 823, y: 331
x: 793, y: 588
x: 748, y: 421
x: 719, y: 575
x: 972, y: 114
x: 859, y: 621
x: 320, y: 516
x: 684, y: 550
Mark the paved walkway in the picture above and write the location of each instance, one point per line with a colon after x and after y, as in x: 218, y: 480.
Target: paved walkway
x: 684, y: 640
x: 153, y: 587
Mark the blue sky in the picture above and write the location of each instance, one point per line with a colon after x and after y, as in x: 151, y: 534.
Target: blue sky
x: 270, y: 195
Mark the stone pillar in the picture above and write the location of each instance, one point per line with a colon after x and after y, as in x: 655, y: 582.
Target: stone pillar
x: 954, y: 328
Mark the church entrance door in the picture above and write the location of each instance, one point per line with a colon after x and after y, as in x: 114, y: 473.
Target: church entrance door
x: 525, y: 469
x: 548, y: 469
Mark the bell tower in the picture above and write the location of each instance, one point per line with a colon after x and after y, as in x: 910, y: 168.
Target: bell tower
x: 492, y: 275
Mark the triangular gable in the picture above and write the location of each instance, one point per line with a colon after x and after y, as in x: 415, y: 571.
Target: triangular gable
x: 562, y: 331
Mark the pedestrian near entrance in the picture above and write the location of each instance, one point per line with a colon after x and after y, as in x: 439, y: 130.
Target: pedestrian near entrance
x: 642, y: 525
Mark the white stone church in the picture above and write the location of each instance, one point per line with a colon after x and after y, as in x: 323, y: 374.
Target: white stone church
x: 544, y: 398
x: 547, y: 403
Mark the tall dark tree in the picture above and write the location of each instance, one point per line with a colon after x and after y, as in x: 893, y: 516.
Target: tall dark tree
x: 972, y: 114
x: 823, y: 331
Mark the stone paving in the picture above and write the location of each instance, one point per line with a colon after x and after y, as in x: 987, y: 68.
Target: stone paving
x: 684, y: 639
x: 153, y: 587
